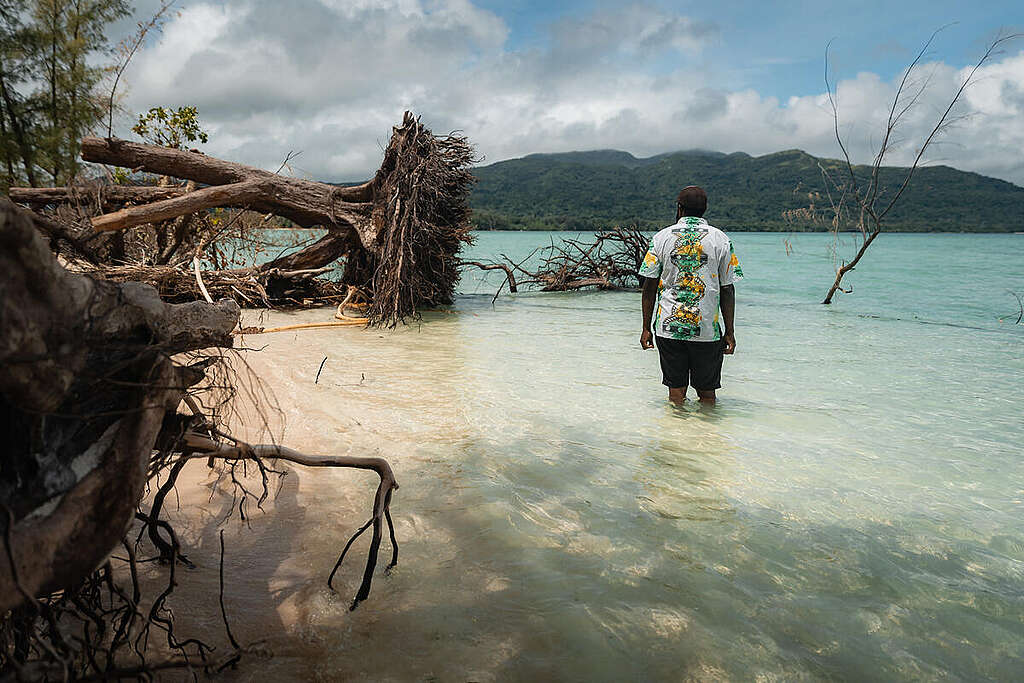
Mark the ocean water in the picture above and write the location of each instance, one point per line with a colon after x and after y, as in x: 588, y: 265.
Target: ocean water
x: 852, y: 509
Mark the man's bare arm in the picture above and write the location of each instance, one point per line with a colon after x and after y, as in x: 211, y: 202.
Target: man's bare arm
x: 728, y: 304
x: 648, y: 299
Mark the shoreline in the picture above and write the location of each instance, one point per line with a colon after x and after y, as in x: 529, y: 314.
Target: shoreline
x: 532, y: 526
x: 277, y: 559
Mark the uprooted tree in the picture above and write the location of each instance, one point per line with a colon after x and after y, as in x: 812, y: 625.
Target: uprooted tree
x: 398, y: 235
x: 106, y: 389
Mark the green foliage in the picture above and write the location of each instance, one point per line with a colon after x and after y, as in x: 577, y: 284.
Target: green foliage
x: 784, y: 191
x: 170, y: 127
x: 122, y: 176
x: 17, y: 113
x: 69, y: 33
x: 50, y: 83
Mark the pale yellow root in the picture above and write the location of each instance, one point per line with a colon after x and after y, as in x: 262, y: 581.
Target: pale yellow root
x: 350, y: 301
x: 340, y: 315
x: 308, y: 326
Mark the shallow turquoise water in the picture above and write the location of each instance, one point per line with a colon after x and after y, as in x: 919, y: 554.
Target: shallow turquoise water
x: 853, y: 508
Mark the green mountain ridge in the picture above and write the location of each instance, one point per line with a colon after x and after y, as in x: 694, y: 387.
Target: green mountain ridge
x: 599, y: 189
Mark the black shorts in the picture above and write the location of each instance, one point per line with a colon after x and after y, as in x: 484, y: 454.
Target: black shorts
x: 691, y: 363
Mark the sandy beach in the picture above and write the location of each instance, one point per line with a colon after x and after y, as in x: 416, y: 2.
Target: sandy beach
x: 278, y: 559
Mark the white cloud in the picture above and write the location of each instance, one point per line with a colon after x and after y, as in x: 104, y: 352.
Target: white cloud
x: 635, y: 29
x: 330, y: 77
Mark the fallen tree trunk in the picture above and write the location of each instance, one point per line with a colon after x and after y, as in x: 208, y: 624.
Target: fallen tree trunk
x: 305, y: 202
x: 561, y: 285
x: 235, y: 194
x: 324, y: 251
x: 104, y: 195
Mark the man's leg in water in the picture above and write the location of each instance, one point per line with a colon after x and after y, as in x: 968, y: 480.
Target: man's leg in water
x: 675, y: 368
x: 705, y: 396
x: 706, y: 369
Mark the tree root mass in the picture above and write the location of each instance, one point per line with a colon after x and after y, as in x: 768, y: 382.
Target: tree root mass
x: 92, y: 373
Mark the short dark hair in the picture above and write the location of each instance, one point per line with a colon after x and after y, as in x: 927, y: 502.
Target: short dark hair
x: 693, y: 201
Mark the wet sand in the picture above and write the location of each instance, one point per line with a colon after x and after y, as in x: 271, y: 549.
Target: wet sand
x: 278, y: 559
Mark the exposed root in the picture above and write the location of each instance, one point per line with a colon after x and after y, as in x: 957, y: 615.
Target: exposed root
x: 354, y: 299
x: 99, y: 631
x: 90, y: 388
x: 421, y: 212
x: 202, y: 446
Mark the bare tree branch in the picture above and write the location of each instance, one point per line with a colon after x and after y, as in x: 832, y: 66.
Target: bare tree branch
x: 866, y: 198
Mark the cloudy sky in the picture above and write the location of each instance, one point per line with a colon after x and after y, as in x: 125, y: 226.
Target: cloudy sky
x: 329, y: 77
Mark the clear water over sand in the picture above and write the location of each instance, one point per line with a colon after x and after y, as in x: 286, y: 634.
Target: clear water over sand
x: 853, y: 508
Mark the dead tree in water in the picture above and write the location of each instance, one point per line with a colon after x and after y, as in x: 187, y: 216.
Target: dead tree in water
x: 398, y: 234
x: 92, y: 374
x: 859, y: 201
x: 611, y: 261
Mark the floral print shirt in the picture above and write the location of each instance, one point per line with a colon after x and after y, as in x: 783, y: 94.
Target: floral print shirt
x: 692, y: 261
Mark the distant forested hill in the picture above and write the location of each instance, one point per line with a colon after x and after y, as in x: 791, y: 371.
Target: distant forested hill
x: 593, y: 190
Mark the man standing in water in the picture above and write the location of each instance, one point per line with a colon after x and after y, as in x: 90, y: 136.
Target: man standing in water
x: 688, y: 274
